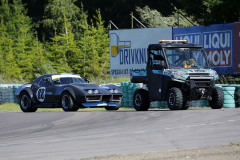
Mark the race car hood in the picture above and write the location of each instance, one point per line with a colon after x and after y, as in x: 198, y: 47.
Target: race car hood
x: 85, y: 85
x: 103, y: 89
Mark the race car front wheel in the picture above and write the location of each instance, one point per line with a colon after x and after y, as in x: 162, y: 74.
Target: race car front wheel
x: 26, y: 103
x: 68, y: 103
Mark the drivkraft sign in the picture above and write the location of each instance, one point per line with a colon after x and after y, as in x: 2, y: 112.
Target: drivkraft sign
x: 128, y: 48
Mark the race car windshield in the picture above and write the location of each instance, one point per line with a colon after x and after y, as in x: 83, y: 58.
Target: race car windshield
x: 186, y: 58
x: 68, y: 80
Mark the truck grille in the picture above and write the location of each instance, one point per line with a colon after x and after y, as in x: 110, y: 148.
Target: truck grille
x: 199, y: 74
x: 202, y: 84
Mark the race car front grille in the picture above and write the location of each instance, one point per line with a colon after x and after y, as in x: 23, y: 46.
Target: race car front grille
x: 106, y: 97
x: 93, y: 98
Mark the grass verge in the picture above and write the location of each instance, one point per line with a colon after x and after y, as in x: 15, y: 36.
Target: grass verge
x: 225, y: 152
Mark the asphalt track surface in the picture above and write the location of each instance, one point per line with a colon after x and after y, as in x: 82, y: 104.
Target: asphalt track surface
x: 76, y: 135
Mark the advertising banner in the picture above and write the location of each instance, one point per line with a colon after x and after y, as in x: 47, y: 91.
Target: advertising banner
x: 237, y: 47
x: 217, y: 41
x: 128, y: 48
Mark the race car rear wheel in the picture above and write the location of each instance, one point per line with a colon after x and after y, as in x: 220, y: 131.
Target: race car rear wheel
x: 68, y: 103
x: 26, y: 103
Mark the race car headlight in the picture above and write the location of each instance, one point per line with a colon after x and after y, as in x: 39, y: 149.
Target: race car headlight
x: 115, y: 91
x: 95, y: 91
x: 111, y: 90
x: 90, y: 91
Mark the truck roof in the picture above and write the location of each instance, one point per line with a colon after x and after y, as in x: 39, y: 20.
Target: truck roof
x: 173, y: 44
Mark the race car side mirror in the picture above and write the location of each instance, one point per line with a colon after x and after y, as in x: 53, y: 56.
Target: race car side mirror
x: 86, y: 80
x: 48, y: 81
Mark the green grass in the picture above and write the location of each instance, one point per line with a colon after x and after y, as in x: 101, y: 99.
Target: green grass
x: 13, y: 107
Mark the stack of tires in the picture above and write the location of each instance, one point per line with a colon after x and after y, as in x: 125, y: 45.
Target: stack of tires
x: 204, y: 103
x: 128, y: 89
x: 6, y: 94
x: 238, y: 96
x: 159, y: 104
x: 229, y: 96
x: 14, y: 89
x: 162, y: 104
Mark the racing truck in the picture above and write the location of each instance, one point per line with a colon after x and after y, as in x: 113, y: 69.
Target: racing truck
x: 177, y: 72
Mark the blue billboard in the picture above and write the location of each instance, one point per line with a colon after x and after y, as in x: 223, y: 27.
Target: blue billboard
x: 217, y: 40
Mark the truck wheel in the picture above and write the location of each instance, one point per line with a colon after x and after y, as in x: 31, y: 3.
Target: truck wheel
x: 175, y: 99
x: 217, y: 98
x: 185, y: 105
x: 141, y: 100
x: 67, y: 103
x: 26, y: 103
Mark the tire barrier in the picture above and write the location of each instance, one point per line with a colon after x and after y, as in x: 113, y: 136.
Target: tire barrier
x: 128, y: 89
x: 7, y: 93
x: 204, y: 103
x: 238, y: 96
x: 229, y: 96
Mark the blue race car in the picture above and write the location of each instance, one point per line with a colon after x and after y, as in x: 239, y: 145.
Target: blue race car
x: 67, y: 91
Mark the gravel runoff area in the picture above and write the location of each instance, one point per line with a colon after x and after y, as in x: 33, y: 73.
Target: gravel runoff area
x: 225, y: 152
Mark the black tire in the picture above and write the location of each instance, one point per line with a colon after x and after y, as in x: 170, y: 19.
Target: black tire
x: 185, y: 105
x: 175, y: 99
x: 141, y: 100
x: 67, y: 103
x: 217, y: 98
x: 25, y: 103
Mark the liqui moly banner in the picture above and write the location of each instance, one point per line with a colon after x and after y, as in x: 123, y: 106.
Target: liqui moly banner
x: 128, y: 48
x: 237, y: 47
x: 217, y: 40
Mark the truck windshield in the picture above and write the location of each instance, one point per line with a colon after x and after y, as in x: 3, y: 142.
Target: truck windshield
x: 186, y: 58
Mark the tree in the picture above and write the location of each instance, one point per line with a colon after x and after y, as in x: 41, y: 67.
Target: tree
x: 153, y: 18
x: 54, y: 13
x: 212, y: 11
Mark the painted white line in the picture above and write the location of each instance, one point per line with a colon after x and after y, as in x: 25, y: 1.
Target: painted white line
x: 215, y: 123
x: 140, y: 132
x: 54, y: 140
